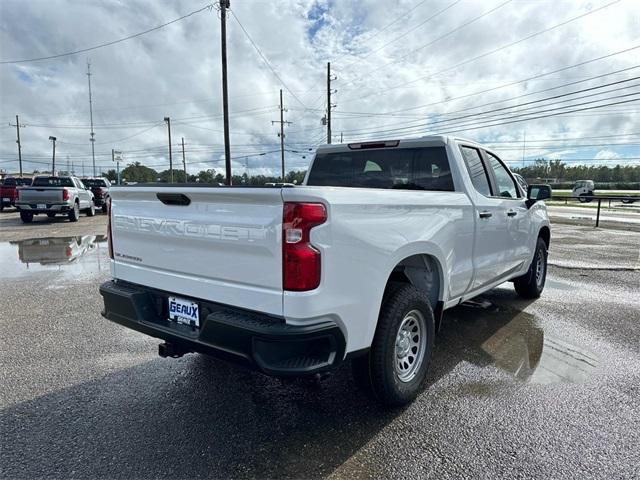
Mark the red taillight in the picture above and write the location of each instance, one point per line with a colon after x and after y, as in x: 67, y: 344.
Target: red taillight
x: 98, y: 192
x: 109, y: 239
x: 65, y: 194
x: 300, y: 259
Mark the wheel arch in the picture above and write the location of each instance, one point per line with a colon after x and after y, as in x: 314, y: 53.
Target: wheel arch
x: 545, y: 234
x: 425, y: 272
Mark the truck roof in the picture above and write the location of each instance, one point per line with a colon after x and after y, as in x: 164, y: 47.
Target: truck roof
x: 394, y: 142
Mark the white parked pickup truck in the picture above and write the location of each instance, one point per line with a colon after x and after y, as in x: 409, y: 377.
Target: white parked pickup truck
x: 358, y: 263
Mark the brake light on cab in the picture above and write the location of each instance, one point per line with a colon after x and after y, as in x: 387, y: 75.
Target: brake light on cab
x: 300, y: 259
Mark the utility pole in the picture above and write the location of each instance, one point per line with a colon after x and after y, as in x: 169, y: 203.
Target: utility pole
x: 53, y: 160
x: 17, y: 125
x: 184, y: 162
x: 524, y: 146
x: 168, y: 120
x: 328, y: 102
x: 281, y: 134
x: 224, y: 4
x: 92, y: 138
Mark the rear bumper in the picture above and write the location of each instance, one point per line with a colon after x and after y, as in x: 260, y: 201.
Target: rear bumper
x: 263, y: 342
x: 49, y: 207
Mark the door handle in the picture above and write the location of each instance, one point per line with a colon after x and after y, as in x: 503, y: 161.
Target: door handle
x: 485, y: 214
x: 511, y: 213
x: 173, y: 198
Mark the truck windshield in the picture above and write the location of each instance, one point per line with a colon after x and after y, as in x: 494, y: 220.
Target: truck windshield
x: 52, y: 182
x: 425, y: 168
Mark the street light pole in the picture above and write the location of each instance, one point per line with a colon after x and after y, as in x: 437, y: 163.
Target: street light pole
x: 53, y: 160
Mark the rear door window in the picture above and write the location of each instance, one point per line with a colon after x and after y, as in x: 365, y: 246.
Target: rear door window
x: 476, y: 169
x: 424, y: 168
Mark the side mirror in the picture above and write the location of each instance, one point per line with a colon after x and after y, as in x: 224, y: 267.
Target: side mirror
x: 535, y: 193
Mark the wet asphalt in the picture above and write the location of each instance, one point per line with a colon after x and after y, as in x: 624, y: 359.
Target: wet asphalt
x: 516, y: 389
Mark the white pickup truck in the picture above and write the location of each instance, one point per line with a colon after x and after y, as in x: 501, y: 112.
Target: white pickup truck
x: 358, y: 263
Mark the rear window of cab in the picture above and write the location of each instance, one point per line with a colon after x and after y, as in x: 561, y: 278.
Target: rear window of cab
x: 425, y: 168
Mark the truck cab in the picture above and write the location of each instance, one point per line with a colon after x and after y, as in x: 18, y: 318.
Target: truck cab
x: 583, y: 190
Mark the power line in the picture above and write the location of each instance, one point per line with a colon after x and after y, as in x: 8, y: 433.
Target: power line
x: 518, y: 106
x: 450, y: 32
x: 264, y: 59
x: 509, y: 120
x: 491, y: 52
x: 407, y: 32
x: 107, y: 44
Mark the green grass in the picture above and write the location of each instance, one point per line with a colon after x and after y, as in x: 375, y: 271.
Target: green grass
x: 599, y: 193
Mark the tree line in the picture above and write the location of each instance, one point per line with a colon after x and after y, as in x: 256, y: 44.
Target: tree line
x: 553, y: 171
x: 138, y: 173
x: 562, y: 172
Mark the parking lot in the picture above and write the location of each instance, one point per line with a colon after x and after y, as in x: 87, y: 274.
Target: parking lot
x: 517, y: 389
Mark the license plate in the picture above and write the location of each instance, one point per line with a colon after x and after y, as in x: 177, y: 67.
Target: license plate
x: 184, y: 311
x: 41, y: 206
x: 6, y: 199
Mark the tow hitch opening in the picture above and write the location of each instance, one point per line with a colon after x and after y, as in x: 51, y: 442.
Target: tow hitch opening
x: 171, y: 350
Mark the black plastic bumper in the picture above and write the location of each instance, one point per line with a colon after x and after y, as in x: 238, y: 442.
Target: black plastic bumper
x: 256, y: 340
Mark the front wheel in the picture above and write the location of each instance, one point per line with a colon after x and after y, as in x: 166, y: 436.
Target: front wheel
x: 396, y: 365
x: 91, y: 211
x: 531, y: 284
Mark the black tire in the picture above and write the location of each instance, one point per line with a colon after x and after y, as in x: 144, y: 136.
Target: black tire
x: 378, y: 371
x: 583, y: 198
x: 74, y: 213
x: 51, y: 214
x: 91, y: 211
x: 531, y: 284
x: 1, y: 206
x: 26, y: 217
x: 105, y: 208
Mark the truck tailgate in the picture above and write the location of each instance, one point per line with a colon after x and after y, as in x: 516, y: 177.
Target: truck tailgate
x: 218, y: 244
x: 35, y: 195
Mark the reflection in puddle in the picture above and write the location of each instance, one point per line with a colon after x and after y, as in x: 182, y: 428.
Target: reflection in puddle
x: 558, y: 285
x: 74, y: 255
x: 522, y: 348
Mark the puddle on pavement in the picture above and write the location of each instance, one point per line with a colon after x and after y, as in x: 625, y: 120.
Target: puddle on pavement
x: 558, y: 285
x: 75, y: 256
x: 516, y: 343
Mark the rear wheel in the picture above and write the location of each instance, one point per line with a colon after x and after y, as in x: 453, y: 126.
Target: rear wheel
x: 105, y: 208
x: 26, y: 217
x: 74, y: 213
x: 396, y: 366
x: 531, y: 284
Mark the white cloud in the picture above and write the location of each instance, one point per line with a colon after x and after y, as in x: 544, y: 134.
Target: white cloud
x: 606, y: 154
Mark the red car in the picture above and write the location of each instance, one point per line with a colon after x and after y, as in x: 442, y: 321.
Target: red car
x: 9, y: 192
